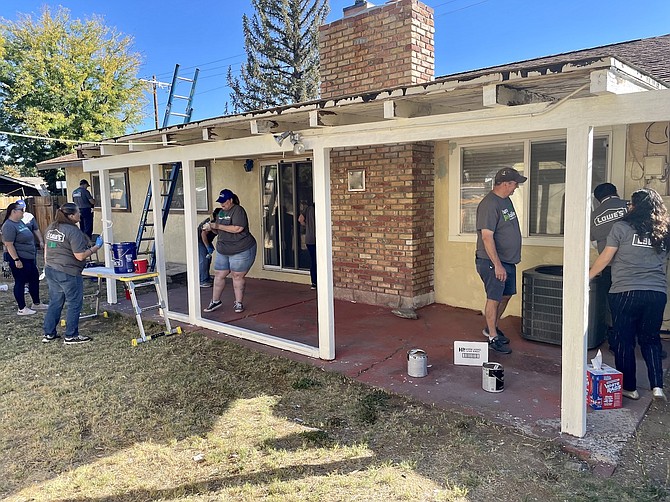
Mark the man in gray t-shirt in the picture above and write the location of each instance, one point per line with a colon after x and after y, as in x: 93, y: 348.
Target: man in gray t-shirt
x: 498, y: 252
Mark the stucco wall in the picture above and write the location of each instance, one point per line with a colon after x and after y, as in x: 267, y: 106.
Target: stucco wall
x: 645, y: 140
x: 456, y: 280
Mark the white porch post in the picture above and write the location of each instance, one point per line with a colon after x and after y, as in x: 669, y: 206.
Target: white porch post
x: 191, y: 240
x: 107, y: 230
x: 155, y: 171
x: 575, y: 279
x: 324, y: 252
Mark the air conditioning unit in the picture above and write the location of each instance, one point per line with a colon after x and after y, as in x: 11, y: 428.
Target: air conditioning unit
x: 542, y: 306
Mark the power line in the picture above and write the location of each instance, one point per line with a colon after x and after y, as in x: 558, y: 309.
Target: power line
x: 76, y: 141
x: 461, y: 8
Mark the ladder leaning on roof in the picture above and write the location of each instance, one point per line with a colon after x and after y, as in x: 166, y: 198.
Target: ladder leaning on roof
x: 145, y: 232
x: 189, y: 99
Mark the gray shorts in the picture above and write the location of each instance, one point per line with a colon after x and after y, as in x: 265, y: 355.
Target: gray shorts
x: 240, y: 262
x: 495, y: 289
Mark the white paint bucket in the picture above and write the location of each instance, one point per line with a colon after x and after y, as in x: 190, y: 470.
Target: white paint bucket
x: 493, y: 377
x: 417, y: 363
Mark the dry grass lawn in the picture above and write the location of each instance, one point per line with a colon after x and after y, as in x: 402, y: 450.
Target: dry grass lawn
x: 193, y: 419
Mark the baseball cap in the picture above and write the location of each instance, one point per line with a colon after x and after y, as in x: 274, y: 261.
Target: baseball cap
x: 84, y: 182
x: 21, y: 203
x: 509, y: 174
x: 224, y: 195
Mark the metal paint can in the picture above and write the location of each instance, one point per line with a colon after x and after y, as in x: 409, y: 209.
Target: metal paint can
x: 417, y: 363
x: 493, y: 377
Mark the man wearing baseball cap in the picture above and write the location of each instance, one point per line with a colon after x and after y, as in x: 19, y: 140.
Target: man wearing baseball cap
x: 85, y: 202
x: 498, y: 252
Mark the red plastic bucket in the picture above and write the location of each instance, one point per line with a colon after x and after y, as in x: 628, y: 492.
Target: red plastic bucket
x: 141, y: 266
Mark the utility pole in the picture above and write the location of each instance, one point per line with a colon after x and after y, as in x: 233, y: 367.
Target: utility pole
x: 155, y: 84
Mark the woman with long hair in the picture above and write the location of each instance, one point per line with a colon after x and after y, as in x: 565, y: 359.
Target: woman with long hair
x: 21, y: 254
x: 235, y: 249
x: 64, y: 258
x: 637, y: 247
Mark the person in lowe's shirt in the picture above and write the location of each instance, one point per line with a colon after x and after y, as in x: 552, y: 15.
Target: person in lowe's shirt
x: 637, y: 247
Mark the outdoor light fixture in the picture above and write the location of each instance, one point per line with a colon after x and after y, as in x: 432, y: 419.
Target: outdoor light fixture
x: 298, y: 146
x: 279, y: 138
x: 248, y: 165
x: 295, y: 138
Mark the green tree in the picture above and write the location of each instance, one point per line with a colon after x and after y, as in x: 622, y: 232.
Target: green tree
x: 63, y: 78
x: 281, y: 43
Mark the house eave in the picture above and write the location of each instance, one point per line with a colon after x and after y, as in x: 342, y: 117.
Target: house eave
x: 443, y: 96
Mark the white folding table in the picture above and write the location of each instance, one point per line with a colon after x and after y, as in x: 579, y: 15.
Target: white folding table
x: 133, y: 281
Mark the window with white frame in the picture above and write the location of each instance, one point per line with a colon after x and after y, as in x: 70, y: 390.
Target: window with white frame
x: 201, y: 186
x: 543, y: 162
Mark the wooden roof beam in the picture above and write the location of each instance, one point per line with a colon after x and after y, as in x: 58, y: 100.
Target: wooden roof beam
x: 331, y: 118
x: 394, y: 109
x: 138, y: 146
x: 260, y: 126
x: 502, y: 95
x: 612, y: 81
x: 106, y: 149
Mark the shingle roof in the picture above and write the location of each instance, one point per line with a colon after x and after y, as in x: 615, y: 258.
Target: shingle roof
x: 650, y: 55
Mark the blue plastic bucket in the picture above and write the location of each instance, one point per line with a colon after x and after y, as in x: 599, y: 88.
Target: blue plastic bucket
x: 123, y: 254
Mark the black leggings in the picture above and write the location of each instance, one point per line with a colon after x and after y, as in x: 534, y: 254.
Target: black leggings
x: 27, y: 275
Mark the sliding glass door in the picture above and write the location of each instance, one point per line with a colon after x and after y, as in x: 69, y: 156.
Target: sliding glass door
x: 286, y: 190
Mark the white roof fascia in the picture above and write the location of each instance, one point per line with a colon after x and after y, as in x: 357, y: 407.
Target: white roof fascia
x: 597, y: 111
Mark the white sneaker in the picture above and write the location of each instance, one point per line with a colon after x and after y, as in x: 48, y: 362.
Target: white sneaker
x: 40, y: 306
x: 657, y: 394
x: 26, y: 311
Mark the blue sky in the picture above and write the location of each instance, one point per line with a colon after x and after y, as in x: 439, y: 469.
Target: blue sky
x: 469, y: 34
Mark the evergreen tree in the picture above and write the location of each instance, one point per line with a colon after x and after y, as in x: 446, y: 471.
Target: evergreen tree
x: 67, y: 79
x: 281, y: 42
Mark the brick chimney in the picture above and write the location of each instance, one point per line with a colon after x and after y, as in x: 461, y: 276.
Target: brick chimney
x: 377, y: 47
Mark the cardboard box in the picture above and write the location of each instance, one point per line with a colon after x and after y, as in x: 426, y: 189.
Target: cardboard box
x: 471, y: 353
x: 603, y: 387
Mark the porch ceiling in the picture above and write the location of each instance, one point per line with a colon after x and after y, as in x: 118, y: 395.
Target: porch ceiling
x: 445, y: 96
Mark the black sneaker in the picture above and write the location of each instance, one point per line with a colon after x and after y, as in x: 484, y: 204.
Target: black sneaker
x: 238, y: 307
x: 500, y: 335
x: 212, y: 306
x: 50, y: 338
x: 77, y: 340
x: 499, y: 346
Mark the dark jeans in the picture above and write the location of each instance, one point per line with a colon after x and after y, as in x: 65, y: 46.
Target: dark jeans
x: 312, y: 262
x: 638, y: 315
x: 86, y: 220
x: 605, y: 284
x: 203, y: 263
x: 27, y: 275
x: 63, y: 288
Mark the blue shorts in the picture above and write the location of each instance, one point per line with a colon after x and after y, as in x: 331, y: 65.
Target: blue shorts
x: 495, y: 289
x: 240, y: 262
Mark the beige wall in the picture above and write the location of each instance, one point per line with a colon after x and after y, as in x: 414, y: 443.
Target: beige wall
x: 639, y: 146
x: 223, y: 174
x: 456, y: 280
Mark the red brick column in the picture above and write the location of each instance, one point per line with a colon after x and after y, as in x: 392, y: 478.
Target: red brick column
x: 383, y: 242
